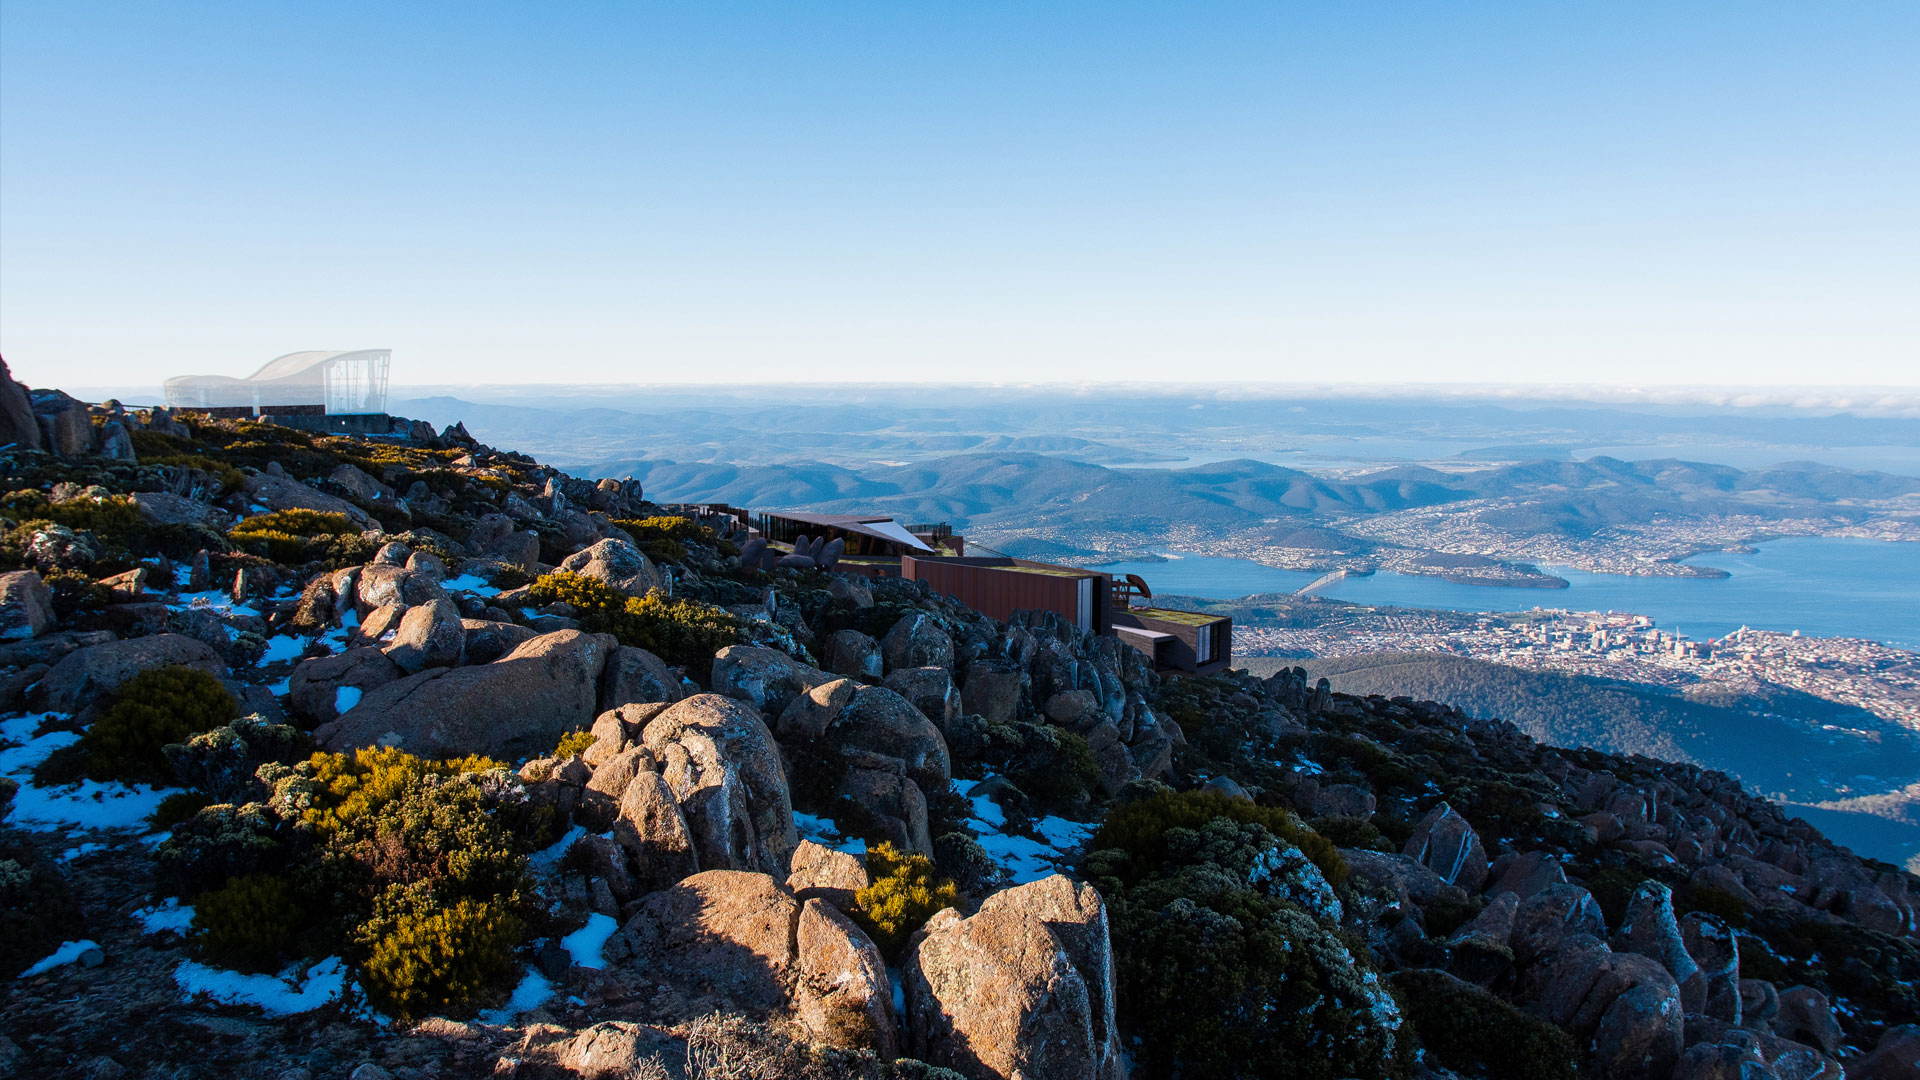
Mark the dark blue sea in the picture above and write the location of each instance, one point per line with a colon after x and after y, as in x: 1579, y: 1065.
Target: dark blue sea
x: 1824, y: 587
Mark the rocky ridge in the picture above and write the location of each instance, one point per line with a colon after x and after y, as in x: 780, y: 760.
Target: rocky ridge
x: 695, y: 747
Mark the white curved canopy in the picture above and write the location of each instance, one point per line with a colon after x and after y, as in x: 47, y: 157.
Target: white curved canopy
x: 339, y: 381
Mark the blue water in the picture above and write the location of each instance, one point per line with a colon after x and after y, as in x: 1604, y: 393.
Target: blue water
x: 1825, y: 587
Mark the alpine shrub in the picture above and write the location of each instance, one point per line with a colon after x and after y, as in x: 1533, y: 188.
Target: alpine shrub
x: 291, y: 536
x: 222, y: 762
x: 1140, y: 829
x: 573, y: 742
x: 348, y: 788
x: 906, y: 891
x: 684, y: 632
x: 248, y: 923
x: 1471, y: 1032
x: 150, y: 710
x: 426, y: 960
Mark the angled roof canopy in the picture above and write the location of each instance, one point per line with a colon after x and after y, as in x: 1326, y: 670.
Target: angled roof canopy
x: 880, y: 528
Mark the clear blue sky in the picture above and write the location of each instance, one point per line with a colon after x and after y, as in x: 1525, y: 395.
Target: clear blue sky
x: 1627, y: 193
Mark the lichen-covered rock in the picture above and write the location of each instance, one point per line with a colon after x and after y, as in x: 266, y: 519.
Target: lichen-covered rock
x: 428, y: 636
x: 1526, y: 874
x: 928, y: 689
x: 1078, y: 919
x: 1446, y: 844
x: 616, y: 562
x: 653, y: 832
x: 853, y: 654
x: 725, y: 772
x: 726, y: 934
x: 1652, y: 930
x: 487, y: 640
x: 1806, y: 1016
x: 820, y: 871
x: 636, y: 675
x: 767, y: 679
x: 995, y: 689
x: 90, y: 675
x: 1551, y: 916
x: 515, y: 707
x: 917, y: 641
x: 315, y: 688
x: 26, y: 606
x: 873, y: 720
x: 285, y: 493
x: 841, y: 993
x: 995, y: 996
x: 1714, y: 947
x: 1895, y: 1057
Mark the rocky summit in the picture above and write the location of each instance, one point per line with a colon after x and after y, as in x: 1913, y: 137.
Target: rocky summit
x: 409, y: 757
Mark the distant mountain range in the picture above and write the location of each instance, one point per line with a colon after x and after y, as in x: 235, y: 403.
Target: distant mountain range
x: 1270, y: 503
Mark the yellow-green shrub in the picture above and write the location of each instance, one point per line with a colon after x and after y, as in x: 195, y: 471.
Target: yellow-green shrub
x: 150, y: 710
x: 347, y: 788
x: 290, y: 536
x: 906, y: 891
x: 573, y: 742
x: 426, y: 960
x: 248, y: 923
x: 1140, y: 829
x: 685, y: 632
x: 663, y: 538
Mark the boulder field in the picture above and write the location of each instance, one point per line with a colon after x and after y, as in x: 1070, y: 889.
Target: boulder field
x: 683, y: 732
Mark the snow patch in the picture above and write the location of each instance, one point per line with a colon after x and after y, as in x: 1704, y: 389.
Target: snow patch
x: 533, y: 992
x: 547, y: 859
x: 170, y: 916
x: 585, y: 943
x: 89, y: 804
x: 81, y: 851
x: 345, y: 697
x: 67, y: 953
x: 19, y: 759
x: 292, y: 991
x: 824, y: 832
x: 280, y: 649
x: 470, y: 583
x: 215, y: 600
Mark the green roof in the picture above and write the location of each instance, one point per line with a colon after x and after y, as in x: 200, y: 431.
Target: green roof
x: 1046, y: 571
x: 1185, y: 618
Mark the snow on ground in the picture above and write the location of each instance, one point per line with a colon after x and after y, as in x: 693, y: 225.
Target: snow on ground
x: 1025, y: 858
x: 281, y: 688
x: 824, y: 832
x: 31, y: 751
x: 21, y: 728
x: 80, y: 851
x: 281, y: 648
x: 547, y: 859
x: 291, y: 991
x: 533, y: 992
x: 345, y: 697
x: 212, y: 600
x: 67, y: 953
x: 470, y: 583
x: 172, y: 915
x: 585, y: 943
x: 89, y: 804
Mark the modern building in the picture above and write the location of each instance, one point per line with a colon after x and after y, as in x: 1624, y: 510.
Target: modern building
x: 999, y: 586
x: 1093, y: 600
x: 318, y: 383
x: 874, y: 544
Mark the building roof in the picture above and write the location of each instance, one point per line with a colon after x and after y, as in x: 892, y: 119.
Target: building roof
x: 880, y: 528
x: 297, y: 363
